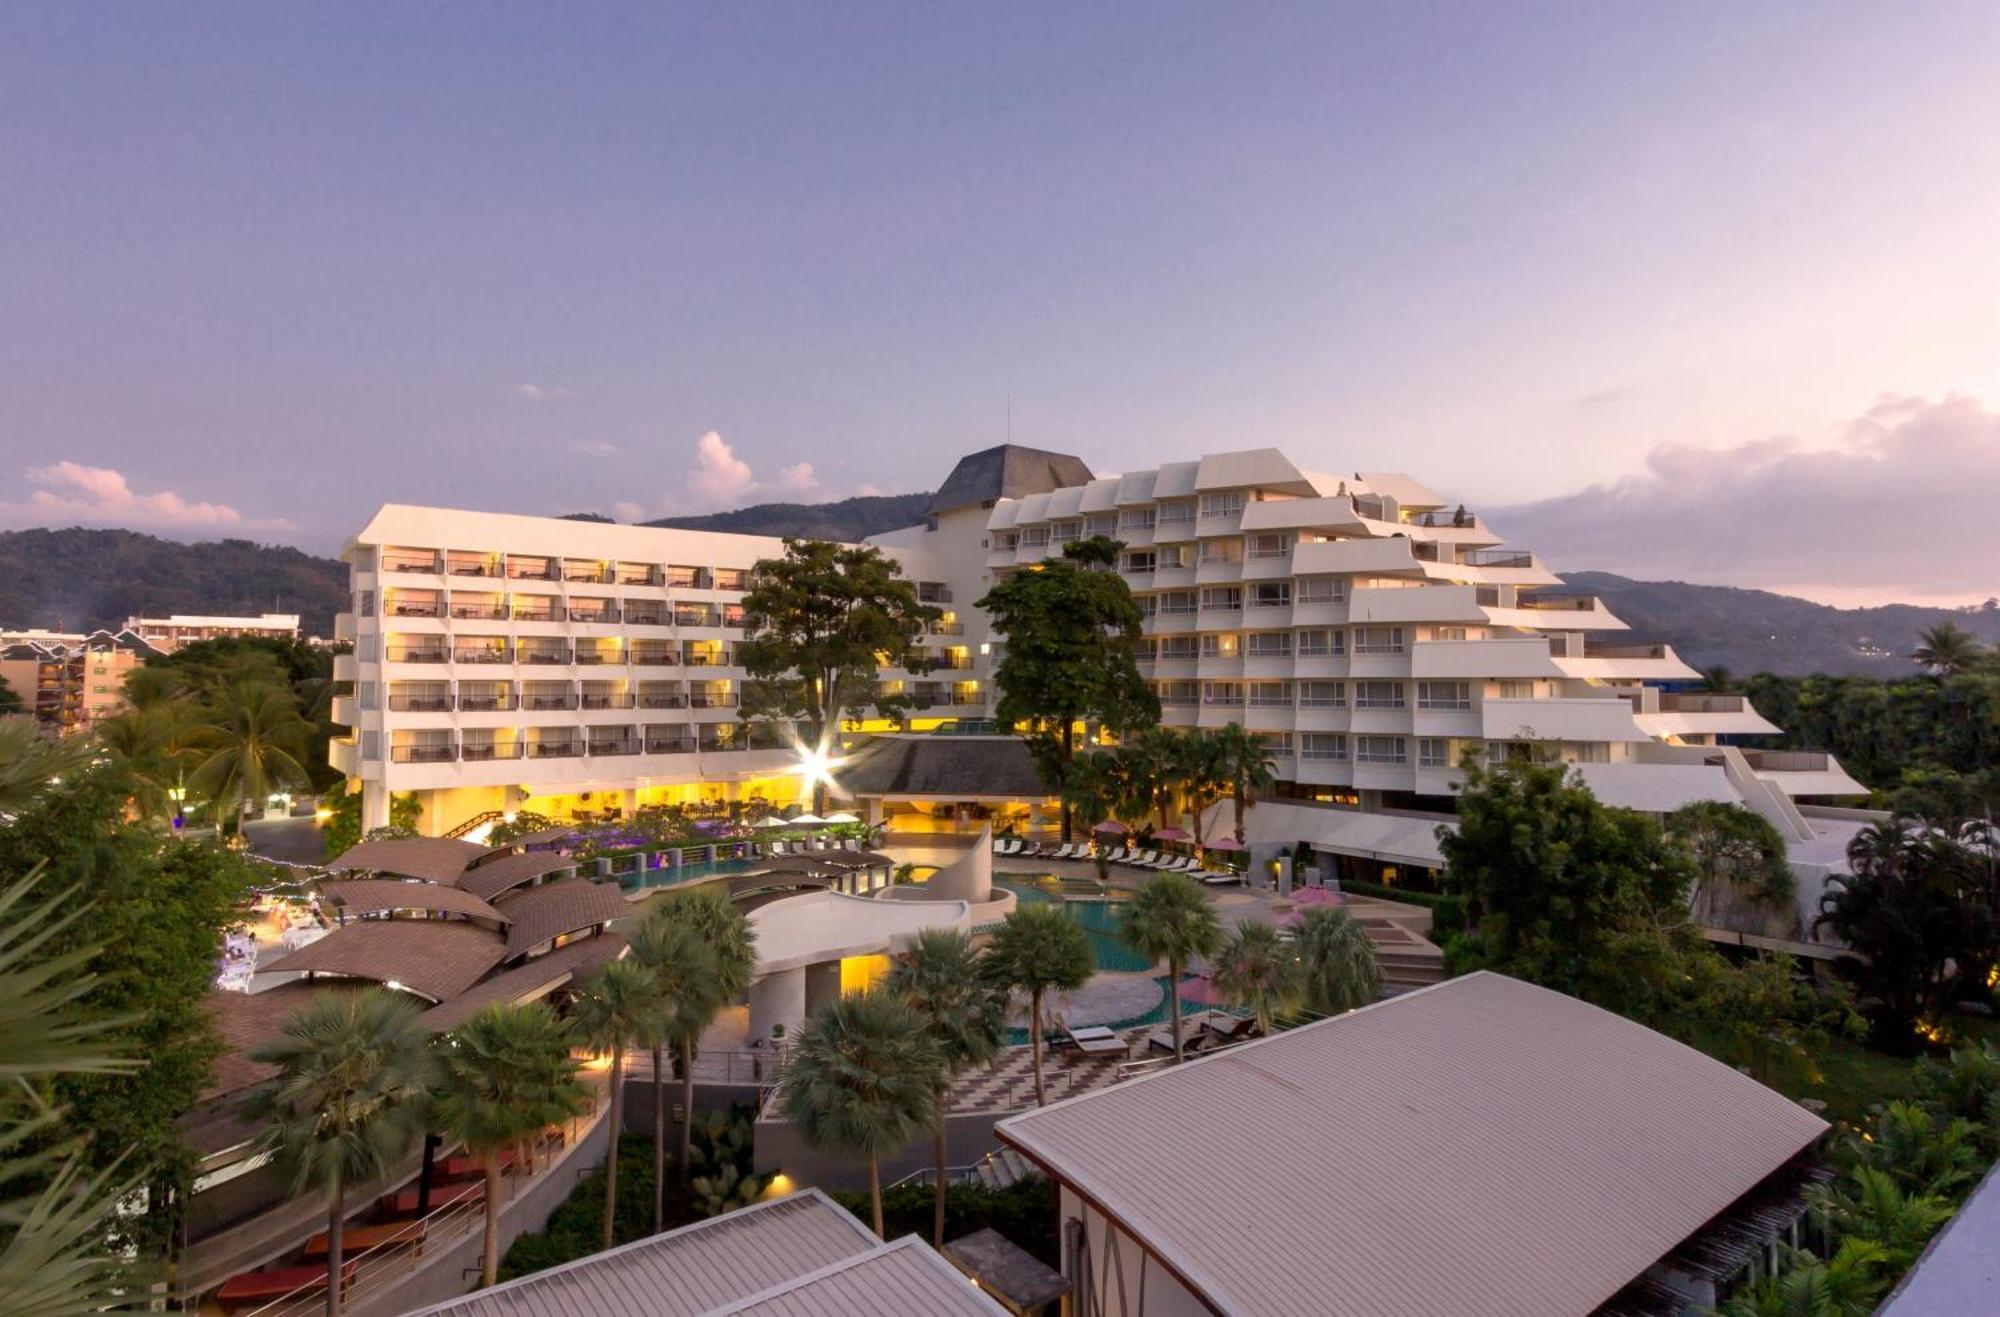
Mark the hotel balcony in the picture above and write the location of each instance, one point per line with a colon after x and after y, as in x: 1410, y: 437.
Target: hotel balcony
x: 421, y: 703
x: 607, y: 701
x: 601, y: 614
x: 481, y: 611
x: 563, y: 749
x: 422, y: 754
x: 669, y: 744
x: 411, y: 562
x: 547, y: 701
x: 543, y: 656
x: 482, y: 654
x: 415, y: 654
x: 482, y: 702
x: 473, y: 752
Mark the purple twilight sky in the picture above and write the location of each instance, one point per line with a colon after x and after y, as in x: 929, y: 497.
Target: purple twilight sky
x: 1701, y: 290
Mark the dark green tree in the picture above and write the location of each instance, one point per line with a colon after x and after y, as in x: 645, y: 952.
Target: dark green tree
x: 10, y: 702
x: 1038, y: 949
x: 816, y: 625
x: 1070, y: 629
x: 1739, y: 861
x: 615, y: 1009
x: 1169, y: 919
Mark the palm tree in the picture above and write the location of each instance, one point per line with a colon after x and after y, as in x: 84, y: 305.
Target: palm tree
x: 1716, y: 678
x: 1170, y: 919
x: 616, y: 1007
x: 254, y: 739
x: 55, y: 1263
x: 1255, y: 970
x: 939, y: 974
x: 1203, y: 777
x: 732, y: 948
x: 1095, y: 789
x: 506, y: 1073
x: 1038, y: 948
x: 1242, y: 760
x: 862, y: 1080
x: 1338, y: 968
x: 1947, y: 651
x: 1154, y: 759
x: 1849, y: 1284
x: 685, y: 1001
x: 354, y: 1076
x: 30, y: 763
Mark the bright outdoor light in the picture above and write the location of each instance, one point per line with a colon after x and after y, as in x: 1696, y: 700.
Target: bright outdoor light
x: 816, y: 763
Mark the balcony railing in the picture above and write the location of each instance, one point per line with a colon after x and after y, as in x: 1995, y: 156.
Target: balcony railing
x: 480, y: 655
x: 526, y: 572
x: 415, y: 610
x: 601, y: 748
x: 554, y: 749
x: 1496, y: 558
x: 669, y: 746
x: 1788, y: 761
x: 1591, y: 651
x: 607, y: 701
x: 537, y: 614
x: 947, y: 628
x: 420, y: 703
x: 544, y: 656
x: 422, y: 754
x: 484, y: 703
x: 482, y: 612
x: 548, y: 701
x: 647, y: 576
x: 931, y: 593
x: 472, y: 569
x: 663, y: 701
x: 654, y: 658
x: 593, y: 615
x: 600, y: 656
x: 1568, y: 603
x: 409, y: 563
x: 478, y: 753
x: 1699, y: 703
x: 588, y: 575
x: 414, y: 654
x: 646, y: 616
x: 702, y: 660
x: 726, y: 700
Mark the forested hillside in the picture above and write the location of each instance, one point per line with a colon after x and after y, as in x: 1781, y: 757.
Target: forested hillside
x: 849, y: 519
x: 78, y: 579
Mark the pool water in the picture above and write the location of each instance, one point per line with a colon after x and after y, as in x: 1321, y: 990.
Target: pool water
x: 684, y: 873
x: 1099, y: 917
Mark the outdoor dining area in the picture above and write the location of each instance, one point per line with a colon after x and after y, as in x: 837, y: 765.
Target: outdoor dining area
x: 283, y: 922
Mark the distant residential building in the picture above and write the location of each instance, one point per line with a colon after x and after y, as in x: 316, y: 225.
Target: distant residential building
x: 168, y: 634
x: 69, y: 682
x: 1481, y: 1146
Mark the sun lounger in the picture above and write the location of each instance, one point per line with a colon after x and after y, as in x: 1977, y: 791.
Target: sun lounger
x: 277, y: 1282
x: 1064, y: 851
x: 1098, y: 1041
x: 1221, y: 877
x: 1230, y: 1028
x: 1179, y: 864
x: 1144, y: 859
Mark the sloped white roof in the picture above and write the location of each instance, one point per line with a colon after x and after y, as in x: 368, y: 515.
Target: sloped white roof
x: 1480, y: 1146
x: 819, y: 926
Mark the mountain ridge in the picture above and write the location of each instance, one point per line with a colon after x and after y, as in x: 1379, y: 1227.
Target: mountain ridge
x: 82, y: 579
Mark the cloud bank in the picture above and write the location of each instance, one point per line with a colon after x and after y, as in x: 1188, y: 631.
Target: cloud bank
x: 71, y: 493
x: 542, y: 392
x: 1900, y: 507
x: 717, y: 478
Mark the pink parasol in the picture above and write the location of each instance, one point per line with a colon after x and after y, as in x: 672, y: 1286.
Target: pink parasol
x: 1200, y: 989
x: 1171, y: 834
x: 1225, y: 844
x: 1314, y: 896
x: 1110, y: 826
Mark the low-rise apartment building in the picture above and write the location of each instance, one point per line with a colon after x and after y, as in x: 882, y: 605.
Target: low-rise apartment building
x: 69, y: 682
x: 1374, y: 631
x: 168, y: 634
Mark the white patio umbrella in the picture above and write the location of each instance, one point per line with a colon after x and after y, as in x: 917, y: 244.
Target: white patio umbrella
x: 843, y: 817
x: 769, y: 821
x: 805, y: 819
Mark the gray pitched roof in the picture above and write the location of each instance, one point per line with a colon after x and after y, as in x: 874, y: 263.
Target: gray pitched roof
x: 961, y: 767
x: 1006, y: 471
x: 903, y: 1279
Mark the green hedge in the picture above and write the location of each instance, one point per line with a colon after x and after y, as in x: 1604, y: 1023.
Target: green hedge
x: 1447, y: 915
x: 576, y: 1228
x: 1025, y: 1212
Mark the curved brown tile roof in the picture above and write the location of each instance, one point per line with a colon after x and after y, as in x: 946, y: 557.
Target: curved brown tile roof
x: 1484, y: 1145
x: 541, y: 914
x: 366, y: 895
x: 439, y: 859
x: 244, y: 1021
x: 510, y: 871
x: 435, y: 958
x: 529, y: 979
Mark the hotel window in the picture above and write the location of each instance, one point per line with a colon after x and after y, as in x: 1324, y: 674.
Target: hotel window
x: 1172, y: 556
x: 1278, y: 745
x: 1177, y: 601
x: 1448, y: 633
x: 1136, y: 519
x: 1140, y: 563
x: 1176, y: 512
x: 1517, y: 690
x: 1006, y: 541
x: 1221, y: 552
x: 1323, y: 745
x: 1271, y: 594
x: 1271, y: 644
x: 1313, y: 644
x: 732, y: 578
x: 1322, y: 589
x: 1066, y: 532
x: 1433, y: 752
x: 1227, y: 504
x: 1270, y: 545
x: 1322, y: 695
x: 1378, y: 694
x: 1178, y: 693
x: 1102, y: 523
x: 1444, y: 695
x: 1035, y: 537
x: 1222, y: 692
x: 1221, y: 644
x: 1589, y: 752
x: 1378, y: 640
x: 1223, y: 599
x: 1271, y: 694
x: 1379, y: 750
x: 1179, y: 647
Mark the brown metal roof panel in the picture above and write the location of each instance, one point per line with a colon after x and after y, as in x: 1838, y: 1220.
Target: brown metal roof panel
x: 490, y: 879
x: 1483, y: 1145
x: 529, y: 980
x: 439, y: 859
x: 436, y: 958
x: 368, y: 895
x: 542, y: 914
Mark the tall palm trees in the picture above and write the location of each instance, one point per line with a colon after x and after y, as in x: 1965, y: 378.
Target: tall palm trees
x: 1242, y: 761
x: 1338, y: 968
x: 30, y: 763
x: 731, y: 943
x: 1257, y: 971
x: 940, y: 976
x: 354, y: 1074
x: 506, y: 1074
x: 1170, y: 919
x: 253, y: 742
x: 616, y: 1007
x: 1036, y: 949
x: 863, y: 1079
x: 685, y: 1000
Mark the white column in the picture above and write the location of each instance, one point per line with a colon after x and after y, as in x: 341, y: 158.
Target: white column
x: 374, y: 807
x: 778, y: 999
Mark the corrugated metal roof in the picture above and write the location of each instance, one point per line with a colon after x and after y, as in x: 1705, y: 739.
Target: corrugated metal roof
x: 507, y: 872
x: 440, y: 859
x: 903, y: 1279
x: 1484, y: 1146
x: 541, y: 914
x: 695, y: 1269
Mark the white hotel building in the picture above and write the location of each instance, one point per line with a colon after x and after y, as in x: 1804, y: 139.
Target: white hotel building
x: 1373, y: 630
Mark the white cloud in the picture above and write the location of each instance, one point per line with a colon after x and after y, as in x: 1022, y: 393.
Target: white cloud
x: 542, y: 392
x: 593, y: 447
x: 719, y: 477
x: 868, y: 490
x: 1900, y: 506
x: 798, y: 478
x: 70, y: 492
x: 628, y: 512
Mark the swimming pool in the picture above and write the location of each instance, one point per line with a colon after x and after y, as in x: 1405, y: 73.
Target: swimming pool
x: 684, y: 873
x: 1099, y: 917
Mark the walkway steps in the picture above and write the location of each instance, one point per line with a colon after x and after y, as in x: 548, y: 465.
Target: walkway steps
x: 1004, y: 1169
